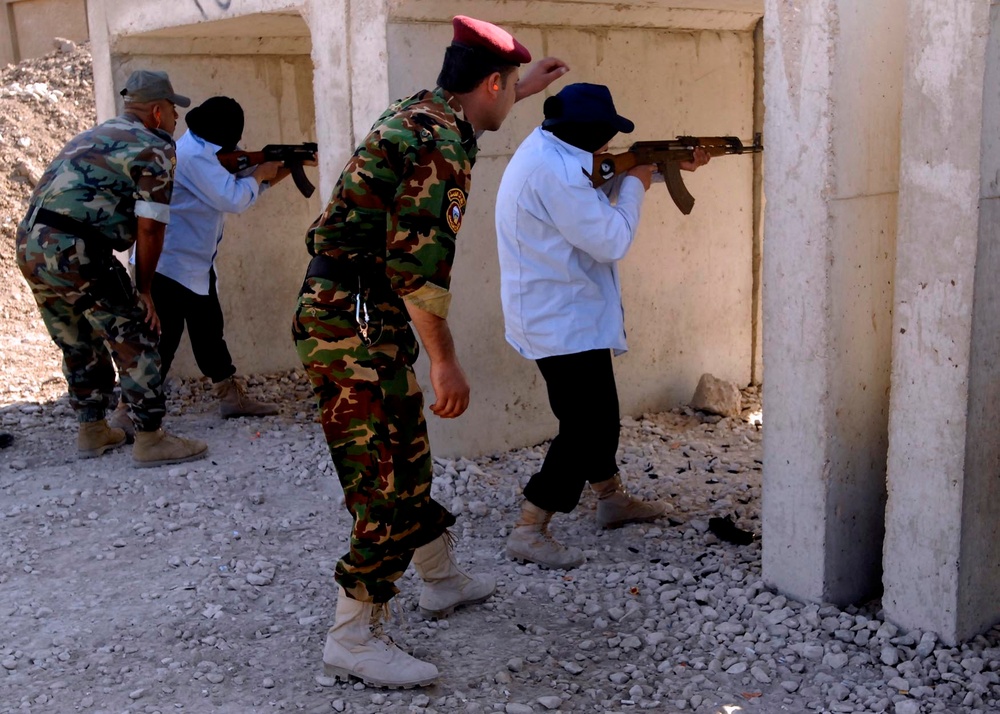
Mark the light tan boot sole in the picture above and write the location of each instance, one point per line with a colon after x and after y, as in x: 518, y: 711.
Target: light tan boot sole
x: 346, y: 675
x: 167, y: 462
x: 94, y: 453
x: 624, y: 522
x: 444, y: 612
x: 520, y: 558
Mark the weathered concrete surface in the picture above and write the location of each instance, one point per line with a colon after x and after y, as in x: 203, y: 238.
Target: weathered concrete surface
x: 941, y: 561
x: 732, y: 15
x: 980, y: 581
x: 831, y: 182
x: 27, y: 27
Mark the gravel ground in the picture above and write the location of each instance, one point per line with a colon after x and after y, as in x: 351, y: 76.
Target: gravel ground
x: 207, y: 586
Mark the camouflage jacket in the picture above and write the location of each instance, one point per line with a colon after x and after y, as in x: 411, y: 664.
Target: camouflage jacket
x: 399, y: 203
x: 110, y: 174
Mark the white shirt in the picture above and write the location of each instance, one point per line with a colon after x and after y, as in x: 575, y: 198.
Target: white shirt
x: 203, y: 193
x: 559, y: 242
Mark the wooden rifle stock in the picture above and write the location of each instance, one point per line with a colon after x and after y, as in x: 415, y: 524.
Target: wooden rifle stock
x: 667, y: 155
x: 291, y: 155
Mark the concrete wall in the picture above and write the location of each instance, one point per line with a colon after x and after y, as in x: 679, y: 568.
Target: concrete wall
x: 27, y: 27
x: 689, y: 282
x: 980, y: 580
x: 831, y: 180
x: 942, y: 555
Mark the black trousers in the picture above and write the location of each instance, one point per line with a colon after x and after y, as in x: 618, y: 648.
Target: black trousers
x: 176, y: 305
x: 584, y: 398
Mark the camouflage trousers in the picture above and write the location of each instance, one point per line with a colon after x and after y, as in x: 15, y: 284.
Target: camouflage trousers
x: 95, y: 340
x: 371, y: 408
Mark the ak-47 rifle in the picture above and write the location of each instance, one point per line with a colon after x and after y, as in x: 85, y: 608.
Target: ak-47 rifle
x: 292, y: 155
x: 667, y: 155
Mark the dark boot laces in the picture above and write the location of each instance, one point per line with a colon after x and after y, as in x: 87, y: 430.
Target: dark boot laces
x: 241, y: 391
x: 546, y: 536
x: 382, y: 615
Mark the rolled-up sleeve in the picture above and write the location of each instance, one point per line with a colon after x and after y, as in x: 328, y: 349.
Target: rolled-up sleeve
x: 153, y: 172
x: 427, y: 214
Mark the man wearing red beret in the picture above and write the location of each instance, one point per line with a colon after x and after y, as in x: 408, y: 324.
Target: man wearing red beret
x: 382, y: 253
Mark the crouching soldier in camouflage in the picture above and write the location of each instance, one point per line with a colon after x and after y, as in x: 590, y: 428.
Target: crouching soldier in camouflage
x: 108, y: 189
x: 383, y: 251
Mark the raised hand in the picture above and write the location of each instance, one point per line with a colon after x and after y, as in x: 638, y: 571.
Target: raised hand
x: 541, y: 74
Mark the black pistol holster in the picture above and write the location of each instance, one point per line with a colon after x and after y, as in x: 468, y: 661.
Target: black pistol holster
x: 109, y: 280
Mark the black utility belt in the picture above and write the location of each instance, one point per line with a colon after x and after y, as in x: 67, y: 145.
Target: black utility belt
x: 109, y: 281
x: 344, y: 271
x: 67, y: 224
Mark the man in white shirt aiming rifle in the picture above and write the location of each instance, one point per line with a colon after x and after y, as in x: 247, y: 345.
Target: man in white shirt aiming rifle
x: 184, y: 287
x: 560, y: 240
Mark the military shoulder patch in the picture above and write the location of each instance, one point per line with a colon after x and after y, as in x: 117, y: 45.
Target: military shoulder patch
x: 456, y: 207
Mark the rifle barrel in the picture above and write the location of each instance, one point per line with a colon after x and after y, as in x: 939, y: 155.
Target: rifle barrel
x: 714, y: 145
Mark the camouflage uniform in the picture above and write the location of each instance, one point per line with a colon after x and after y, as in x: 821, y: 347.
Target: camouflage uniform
x: 105, y: 178
x: 388, y: 235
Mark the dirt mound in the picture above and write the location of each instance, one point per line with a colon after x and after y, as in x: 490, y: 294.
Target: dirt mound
x: 44, y: 102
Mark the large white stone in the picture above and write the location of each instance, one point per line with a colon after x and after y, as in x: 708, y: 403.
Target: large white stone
x: 716, y: 396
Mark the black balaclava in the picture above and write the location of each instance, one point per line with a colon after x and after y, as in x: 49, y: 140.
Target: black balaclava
x: 218, y: 120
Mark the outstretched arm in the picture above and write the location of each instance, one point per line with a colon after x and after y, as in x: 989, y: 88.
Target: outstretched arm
x: 539, y: 76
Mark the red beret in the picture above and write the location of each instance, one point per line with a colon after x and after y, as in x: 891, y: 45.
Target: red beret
x: 489, y: 37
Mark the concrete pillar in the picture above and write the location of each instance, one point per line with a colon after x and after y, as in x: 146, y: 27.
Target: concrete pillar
x: 101, y: 59
x: 942, y: 554
x: 9, y: 50
x: 327, y: 20
x: 369, y: 58
x: 757, y: 299
x: 831, y: 181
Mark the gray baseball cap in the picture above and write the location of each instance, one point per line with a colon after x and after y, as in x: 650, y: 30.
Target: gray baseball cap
x: 146, y: 85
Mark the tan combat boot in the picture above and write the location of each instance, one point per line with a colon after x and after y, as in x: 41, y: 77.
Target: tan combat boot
x: 96, y: 437
x: 158, y: 448
x: 235, y: 402
x: 120, y: 419
x: 357, y: 647
x: 616, y: 507
x: 531, y: 541
x: 446, y: 586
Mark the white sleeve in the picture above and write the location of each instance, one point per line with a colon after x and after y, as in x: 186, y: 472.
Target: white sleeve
x: 156, y: 211
x: 586, y: 219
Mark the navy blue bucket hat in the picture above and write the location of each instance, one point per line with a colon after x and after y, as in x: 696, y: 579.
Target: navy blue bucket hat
x: 586, y: 104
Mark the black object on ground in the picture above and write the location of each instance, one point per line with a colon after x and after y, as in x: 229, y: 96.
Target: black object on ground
x: 725, y: 529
